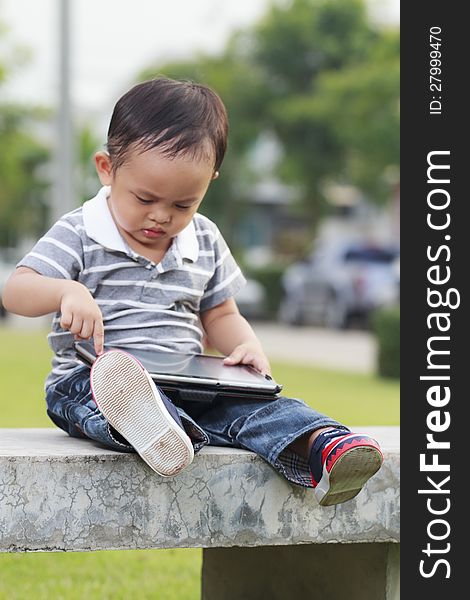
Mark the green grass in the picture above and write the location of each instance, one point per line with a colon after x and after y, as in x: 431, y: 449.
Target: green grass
x: 153, y: 574
x: 24, y: 363
x: 352, y: 398
x: 105, y: 575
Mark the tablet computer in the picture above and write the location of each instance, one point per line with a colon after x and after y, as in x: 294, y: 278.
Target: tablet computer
x: 195, y: 376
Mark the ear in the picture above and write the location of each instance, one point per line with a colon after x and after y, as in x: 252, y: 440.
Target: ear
x: 104, y: 167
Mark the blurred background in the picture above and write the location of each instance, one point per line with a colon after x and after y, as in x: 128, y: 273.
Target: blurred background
x: 309, y: 193
x: 308, y: 199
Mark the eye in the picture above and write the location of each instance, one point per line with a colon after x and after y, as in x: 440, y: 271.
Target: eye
x: 182, y: 207
x: 143, y: 201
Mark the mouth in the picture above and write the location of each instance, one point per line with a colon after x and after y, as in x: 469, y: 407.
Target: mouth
x: 153, y: 233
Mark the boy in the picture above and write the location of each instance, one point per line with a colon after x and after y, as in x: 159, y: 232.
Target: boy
x: 138, y: 267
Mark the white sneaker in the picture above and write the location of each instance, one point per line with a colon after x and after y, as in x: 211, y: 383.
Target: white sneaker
x: 129, y: 399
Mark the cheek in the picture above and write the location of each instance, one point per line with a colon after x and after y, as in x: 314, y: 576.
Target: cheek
x: 126, y: 216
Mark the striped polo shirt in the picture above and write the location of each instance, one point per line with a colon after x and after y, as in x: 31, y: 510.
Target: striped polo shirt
x: 144, y: 304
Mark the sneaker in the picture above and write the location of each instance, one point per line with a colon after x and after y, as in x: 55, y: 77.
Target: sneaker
x: 341, y: 463
x: 129, y: 399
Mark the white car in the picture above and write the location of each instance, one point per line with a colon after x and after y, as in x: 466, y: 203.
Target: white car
x: 339, y: 282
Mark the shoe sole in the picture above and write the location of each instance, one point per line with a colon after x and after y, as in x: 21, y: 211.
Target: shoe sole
x: 130, y: 401
x: 348, y: 475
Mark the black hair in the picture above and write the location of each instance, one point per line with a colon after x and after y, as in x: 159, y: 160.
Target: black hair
x: 179, y: 117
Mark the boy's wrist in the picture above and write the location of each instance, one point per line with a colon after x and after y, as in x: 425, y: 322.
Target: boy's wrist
x: 253, y: 344
x: 70, y: 287
x: 73, y: 295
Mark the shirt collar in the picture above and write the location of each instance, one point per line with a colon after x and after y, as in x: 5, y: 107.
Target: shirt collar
x: 187, y: 243
x: 100, y: 226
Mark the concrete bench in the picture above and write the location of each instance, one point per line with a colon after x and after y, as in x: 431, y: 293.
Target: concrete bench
x: 262, y: 537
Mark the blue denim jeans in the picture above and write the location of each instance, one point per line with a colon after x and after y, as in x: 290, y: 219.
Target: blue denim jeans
x: 264, y: 427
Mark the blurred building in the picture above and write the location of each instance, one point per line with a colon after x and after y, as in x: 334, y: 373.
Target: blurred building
x: 273, y: 227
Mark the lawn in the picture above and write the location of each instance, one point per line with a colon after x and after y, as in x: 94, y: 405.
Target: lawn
x: 354, y: 399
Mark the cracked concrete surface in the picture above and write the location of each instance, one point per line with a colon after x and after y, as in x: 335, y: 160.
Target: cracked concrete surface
x: 59, y: 493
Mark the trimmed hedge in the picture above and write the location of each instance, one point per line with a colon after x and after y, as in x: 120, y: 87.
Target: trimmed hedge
x: 386, y: 326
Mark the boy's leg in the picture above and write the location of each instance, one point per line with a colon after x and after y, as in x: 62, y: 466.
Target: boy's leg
x: 335, y: 462
x: 70, y: 405
x: 126, y: 394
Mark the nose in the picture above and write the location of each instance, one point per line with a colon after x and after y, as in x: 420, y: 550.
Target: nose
x: 160, y: 216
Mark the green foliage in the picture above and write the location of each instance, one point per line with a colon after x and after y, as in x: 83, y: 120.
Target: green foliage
x: 321, y: 78
x: 23, y: 206
x: 88, y: 144
x: 386, y: 325
x: 360, y: 104
x: 298, y: 40
x: 334, y: 83
x: 314, y: 73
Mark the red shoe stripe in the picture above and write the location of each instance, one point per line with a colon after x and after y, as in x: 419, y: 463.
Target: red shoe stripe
x: 344, y: 445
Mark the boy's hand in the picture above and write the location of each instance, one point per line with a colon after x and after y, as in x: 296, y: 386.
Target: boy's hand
x: 81, y: 315
x: 252, y: 354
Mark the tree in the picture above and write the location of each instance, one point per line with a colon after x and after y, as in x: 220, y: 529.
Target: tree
x: 334, y: 84
x: 325, y: 81
x: 297, y: 41
x: 361, y: 106
x: 23, y: 207
x: 87, y: 180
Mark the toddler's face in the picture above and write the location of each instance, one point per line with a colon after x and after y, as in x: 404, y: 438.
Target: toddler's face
x: 153, y: 197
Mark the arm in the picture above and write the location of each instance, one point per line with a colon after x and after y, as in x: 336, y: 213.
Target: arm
x: 30, y: 294
x: 232, y: 335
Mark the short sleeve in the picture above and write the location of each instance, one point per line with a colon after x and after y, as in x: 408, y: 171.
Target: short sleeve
x: 58, y: 254
x: 227, y: 279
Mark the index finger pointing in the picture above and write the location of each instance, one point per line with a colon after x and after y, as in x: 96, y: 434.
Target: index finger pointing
x: 98, y: 337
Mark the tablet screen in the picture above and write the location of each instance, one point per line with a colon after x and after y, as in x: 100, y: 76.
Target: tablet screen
x: 193, y: 366
x: 196, y: 365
